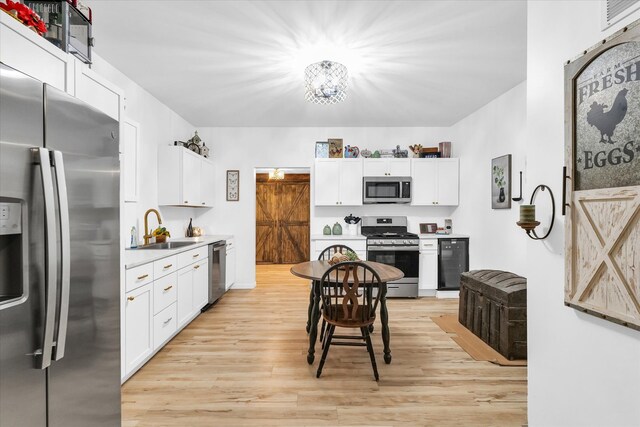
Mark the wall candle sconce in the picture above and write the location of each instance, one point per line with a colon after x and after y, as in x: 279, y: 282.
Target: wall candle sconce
x: 528, y: 215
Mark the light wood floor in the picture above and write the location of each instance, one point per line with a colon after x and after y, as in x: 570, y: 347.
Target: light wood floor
x: 244, y: 363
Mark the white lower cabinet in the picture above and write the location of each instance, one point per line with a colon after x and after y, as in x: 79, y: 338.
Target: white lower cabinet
x: 185, y: 294
x: 163, y: 297
x: 164, y: 325
x: 230, y: 265
x: 200, y: 285
x: 428, y: 268
x: 138, y: 327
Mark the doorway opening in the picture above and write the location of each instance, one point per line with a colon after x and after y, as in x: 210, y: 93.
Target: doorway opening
x: 283, y: 203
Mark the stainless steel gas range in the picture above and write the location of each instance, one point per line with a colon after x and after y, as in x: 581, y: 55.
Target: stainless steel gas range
x: 389, y: 242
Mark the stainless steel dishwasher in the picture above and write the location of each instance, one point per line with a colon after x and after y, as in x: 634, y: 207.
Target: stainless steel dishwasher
x: 217, y: 271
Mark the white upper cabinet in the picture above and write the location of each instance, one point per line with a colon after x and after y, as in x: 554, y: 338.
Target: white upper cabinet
x: 130, y: 143
x: 96, y: 91
x: 338, y: 182
x: 435, y: 182
x: 387, y: 167
x: 27, y: 52
x: 207, y: 183
x: 184, y: 178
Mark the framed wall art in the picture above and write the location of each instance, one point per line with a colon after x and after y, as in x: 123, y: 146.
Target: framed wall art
x: 501, y: 182
x: 335, y: 148
x: 233, y: 185
x: 602, y: 179
x: 322, y: 150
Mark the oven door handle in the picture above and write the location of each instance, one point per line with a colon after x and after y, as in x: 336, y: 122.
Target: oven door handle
x: 393, y: 248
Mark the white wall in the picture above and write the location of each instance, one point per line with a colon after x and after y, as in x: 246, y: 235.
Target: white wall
x: 494, y: 130
x: 249, y: 148
x: 158, y: 125
x: 583, y: 371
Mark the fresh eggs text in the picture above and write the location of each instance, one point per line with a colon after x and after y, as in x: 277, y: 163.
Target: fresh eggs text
x: 614, y: 157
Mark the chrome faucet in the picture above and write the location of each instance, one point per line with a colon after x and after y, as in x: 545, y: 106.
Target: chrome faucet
x: 148, y: 236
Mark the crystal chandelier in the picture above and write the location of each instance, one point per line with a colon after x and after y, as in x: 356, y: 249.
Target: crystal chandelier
x: 326, y: 82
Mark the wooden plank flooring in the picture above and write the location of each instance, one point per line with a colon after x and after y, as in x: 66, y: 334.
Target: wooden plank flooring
x: 244, y: 363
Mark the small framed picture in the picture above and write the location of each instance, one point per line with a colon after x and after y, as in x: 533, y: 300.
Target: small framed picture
x: 428, y: 228
x: 322, y: 150
x: 501, y: 182
x: 233, y: 185
x: 335, y: 149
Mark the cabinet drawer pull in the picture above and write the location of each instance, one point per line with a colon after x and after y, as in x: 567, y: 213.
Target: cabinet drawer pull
x: 196, y: 255
x: 168, y: 287
x: 186, y: 201
x: 203, y: 203
x: 144, y: 276
x: 130, y: 298
x: 196, y: 266
x: 168, y: 320
x: 168, y: 266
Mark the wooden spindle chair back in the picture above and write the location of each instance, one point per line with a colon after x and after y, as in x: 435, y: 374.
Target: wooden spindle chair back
x: 327, y: 253
x: 348, y: 297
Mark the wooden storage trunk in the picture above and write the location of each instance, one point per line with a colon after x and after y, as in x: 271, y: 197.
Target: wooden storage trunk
x: 493, y: 305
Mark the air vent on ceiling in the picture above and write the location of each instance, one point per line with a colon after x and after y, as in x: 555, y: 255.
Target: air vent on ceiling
x: 614, y: 10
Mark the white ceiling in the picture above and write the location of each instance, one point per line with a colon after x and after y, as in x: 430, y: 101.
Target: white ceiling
x: 241, y: 63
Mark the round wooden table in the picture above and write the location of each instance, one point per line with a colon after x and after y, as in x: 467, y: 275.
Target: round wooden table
x: 314, y: 270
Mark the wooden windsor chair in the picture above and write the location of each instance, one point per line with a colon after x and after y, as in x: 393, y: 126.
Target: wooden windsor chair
x: 326, y: 255
x: 349, y: 301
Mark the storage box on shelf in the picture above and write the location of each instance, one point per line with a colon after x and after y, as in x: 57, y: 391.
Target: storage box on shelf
x: 184, y: 178
x: 161, y: 298
x: 338, y: 182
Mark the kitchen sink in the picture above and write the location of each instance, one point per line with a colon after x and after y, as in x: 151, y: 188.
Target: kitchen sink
x: 167, y: 245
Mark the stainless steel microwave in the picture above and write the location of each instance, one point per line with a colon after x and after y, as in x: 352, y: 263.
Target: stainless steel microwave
x: 386, y: 189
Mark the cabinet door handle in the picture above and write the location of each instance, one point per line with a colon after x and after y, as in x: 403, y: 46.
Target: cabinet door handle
x: 144, y: 276
x: 186, y: 201
x: 196, y: 255
x: 168, y: 320
x: 196, y: 266
x: 168, y: 287
x: 168, y: 266
x: 130, y: 298
x: 203, y: 203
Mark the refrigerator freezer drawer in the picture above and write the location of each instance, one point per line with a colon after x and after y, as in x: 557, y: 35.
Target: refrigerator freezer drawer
x: 139, y: 276
x: 165, y: 324
x: 164, y: 292
x: 165, y: 266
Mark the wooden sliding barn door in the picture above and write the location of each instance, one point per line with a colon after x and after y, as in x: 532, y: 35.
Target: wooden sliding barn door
x: 282, y: 219
x: 602, y: 226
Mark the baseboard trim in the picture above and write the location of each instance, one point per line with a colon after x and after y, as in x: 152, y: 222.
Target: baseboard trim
x: 250, y: 285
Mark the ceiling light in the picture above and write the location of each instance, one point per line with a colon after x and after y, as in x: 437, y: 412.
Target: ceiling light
x: 325, y: 82
x: 276, y: 174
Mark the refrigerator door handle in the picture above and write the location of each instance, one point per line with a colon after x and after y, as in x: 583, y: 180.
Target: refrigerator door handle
x: 43, y: 355
x: 65, y: 255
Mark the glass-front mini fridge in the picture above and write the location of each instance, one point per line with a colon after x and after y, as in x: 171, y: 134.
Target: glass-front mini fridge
x: 453, y: 260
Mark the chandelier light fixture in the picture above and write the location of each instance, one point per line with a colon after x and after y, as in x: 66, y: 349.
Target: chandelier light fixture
x: 326, y: 82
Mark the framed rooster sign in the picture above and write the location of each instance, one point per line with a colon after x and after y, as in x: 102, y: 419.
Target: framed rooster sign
x: 602, y: 179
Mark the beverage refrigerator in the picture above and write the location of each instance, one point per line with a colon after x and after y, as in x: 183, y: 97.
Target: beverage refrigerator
x: 59, y: 258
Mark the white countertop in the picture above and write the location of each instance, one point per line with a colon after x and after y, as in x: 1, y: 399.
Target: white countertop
x: 136, y: 257
x: 443, y: 236
x: 337, y: 237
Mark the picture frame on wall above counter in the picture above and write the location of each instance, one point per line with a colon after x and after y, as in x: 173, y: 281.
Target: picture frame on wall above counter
x: 233, y: 185
x: 501, y: 182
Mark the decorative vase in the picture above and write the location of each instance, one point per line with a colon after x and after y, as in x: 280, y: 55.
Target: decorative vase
x: 326, y: 230
x: 501, y: 197
x: 337, y: 229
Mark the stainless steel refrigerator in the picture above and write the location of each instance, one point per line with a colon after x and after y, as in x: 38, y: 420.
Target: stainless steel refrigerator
x: 59, y: 258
